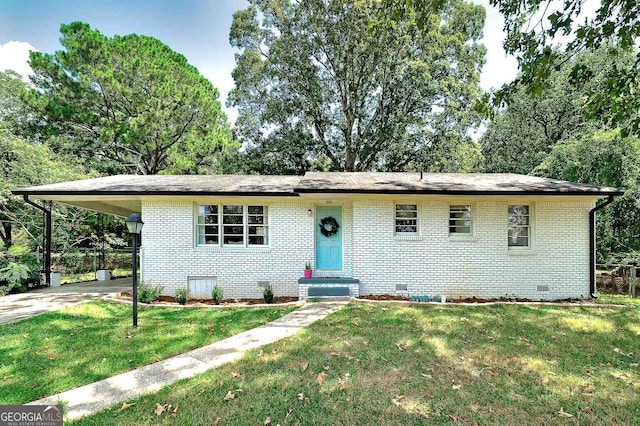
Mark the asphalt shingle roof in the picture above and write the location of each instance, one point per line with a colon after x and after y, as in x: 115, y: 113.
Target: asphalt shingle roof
x: 321, y: 182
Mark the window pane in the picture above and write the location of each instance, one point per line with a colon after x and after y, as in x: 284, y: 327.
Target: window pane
x: 232, y: 220
x: 259, y: 220
x: 256, y: 209
x: 257, y: 241
x: 231, y: 240
x: 519, y: 237
x: 232, y: 210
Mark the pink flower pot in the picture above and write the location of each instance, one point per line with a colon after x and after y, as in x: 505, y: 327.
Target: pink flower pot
x: 308, y: 273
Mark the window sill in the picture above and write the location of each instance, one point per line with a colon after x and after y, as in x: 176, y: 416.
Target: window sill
x: 400, y: 237
x: 463, y: 238
x: 265, y: 249
x: 521, y: 252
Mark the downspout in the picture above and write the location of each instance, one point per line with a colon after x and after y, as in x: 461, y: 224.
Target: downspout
x: 592, y: 244
x: 48, y: 222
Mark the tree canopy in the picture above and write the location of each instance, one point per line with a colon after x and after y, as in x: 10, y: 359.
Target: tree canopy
x: 129, y: 102
x: 328, y: 84
x: 534, y: 28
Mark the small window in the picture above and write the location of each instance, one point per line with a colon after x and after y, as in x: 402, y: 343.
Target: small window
x: 208, y: 229
x: 406, y: 219
x: 519, y: 226
x: 460, y: 221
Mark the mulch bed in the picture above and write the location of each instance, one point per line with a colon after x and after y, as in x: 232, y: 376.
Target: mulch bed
x: 384, y: 297
x: 228, y: 302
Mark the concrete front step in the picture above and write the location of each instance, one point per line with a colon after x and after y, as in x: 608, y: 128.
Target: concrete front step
x: 328, y: 287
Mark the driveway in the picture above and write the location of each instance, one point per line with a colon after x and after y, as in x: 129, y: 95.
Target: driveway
x: 15, y: 307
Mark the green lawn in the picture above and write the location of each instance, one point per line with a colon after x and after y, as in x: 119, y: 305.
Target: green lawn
x: 61, y: 350
x: 503, y: 364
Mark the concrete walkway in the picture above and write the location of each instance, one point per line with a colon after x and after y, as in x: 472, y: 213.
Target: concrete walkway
x: 106, y: 393
x: 14, y: 307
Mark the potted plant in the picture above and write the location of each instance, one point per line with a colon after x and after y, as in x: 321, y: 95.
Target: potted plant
x: 307, y: 270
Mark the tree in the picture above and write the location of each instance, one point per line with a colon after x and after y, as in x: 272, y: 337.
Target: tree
x: 522, y: 135
x: 532, y: 27
x: 128, y: 104
x: 25, y: 164
x: 328, y: 84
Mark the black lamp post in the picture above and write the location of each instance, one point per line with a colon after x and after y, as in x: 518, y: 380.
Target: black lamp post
x: 134, y: 224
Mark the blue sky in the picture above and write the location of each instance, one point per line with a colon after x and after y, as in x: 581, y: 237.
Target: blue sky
x: 199, y: 29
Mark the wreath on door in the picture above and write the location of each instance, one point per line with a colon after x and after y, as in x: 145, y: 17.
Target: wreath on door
x: 329, y: 226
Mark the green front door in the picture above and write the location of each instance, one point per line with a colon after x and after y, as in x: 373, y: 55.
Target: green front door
x: 328, y: 248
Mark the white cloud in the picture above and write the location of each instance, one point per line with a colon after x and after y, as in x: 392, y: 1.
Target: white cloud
x: 14, y: 55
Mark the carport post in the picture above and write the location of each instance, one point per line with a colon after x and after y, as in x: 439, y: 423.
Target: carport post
x: 47, y: 237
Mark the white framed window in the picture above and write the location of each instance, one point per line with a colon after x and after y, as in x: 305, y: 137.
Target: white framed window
x: 406, y: 219
x: 207, y: 227
x: 460, y: 219
x: 232, y: 225
x: 519, y: 226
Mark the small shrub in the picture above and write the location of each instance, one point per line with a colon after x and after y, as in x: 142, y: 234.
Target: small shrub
x: 147, y: 293
x: 181, y: 296
x: 14, y: 275
x: 307, y: 266
x: 268, y: 294
x: 216, y: 294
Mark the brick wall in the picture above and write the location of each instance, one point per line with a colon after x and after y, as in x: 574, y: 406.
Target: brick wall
x: 431, y: 264
x: 434, y: 263
x: 170, y: 255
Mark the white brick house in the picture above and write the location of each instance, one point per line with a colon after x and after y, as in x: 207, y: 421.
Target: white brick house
x: 410, y: 234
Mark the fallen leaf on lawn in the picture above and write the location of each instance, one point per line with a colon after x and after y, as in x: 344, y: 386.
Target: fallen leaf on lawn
x: 334, y: 354
x: 426, y: 376
x: 267, y: 421
x: 398, y: 400
x: 274, y: 351
x: 475, y: 408
x: 325, y: 367
x: 453, y: 418
x: 384, y: 359
x: 289, y: 411
x: 562, y: 413
x: 216, y: 422
x: 400, y: 346
x: 235, y: 373
x: 456, y: 387
x: 304, y: 366
x: 588, y: 388
x: 52, y: 357
x: 307, y: 401
x: 628, y: 355
x: 229, y: 395
x: 260, y: 353
x: 125, y: 406
x: 587, y: 410
x: 35, y: 385
x: 7, y: 377
x: 342, y: 384
x: 301, y: 396
x: 365, y: 343
x: 26, y: 336
x: 463, y: 319
x: 175, y: 410
x: 524, y: 340
x: 159, y: 409
x: 320, y: 378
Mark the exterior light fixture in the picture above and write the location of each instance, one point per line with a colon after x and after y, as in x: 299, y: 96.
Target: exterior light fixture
x: 134, y: 225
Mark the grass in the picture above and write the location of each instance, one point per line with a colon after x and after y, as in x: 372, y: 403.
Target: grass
x: 402, y: 365
x: 91, y: 276
x: 61, y: 350
x: 618, y: 299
